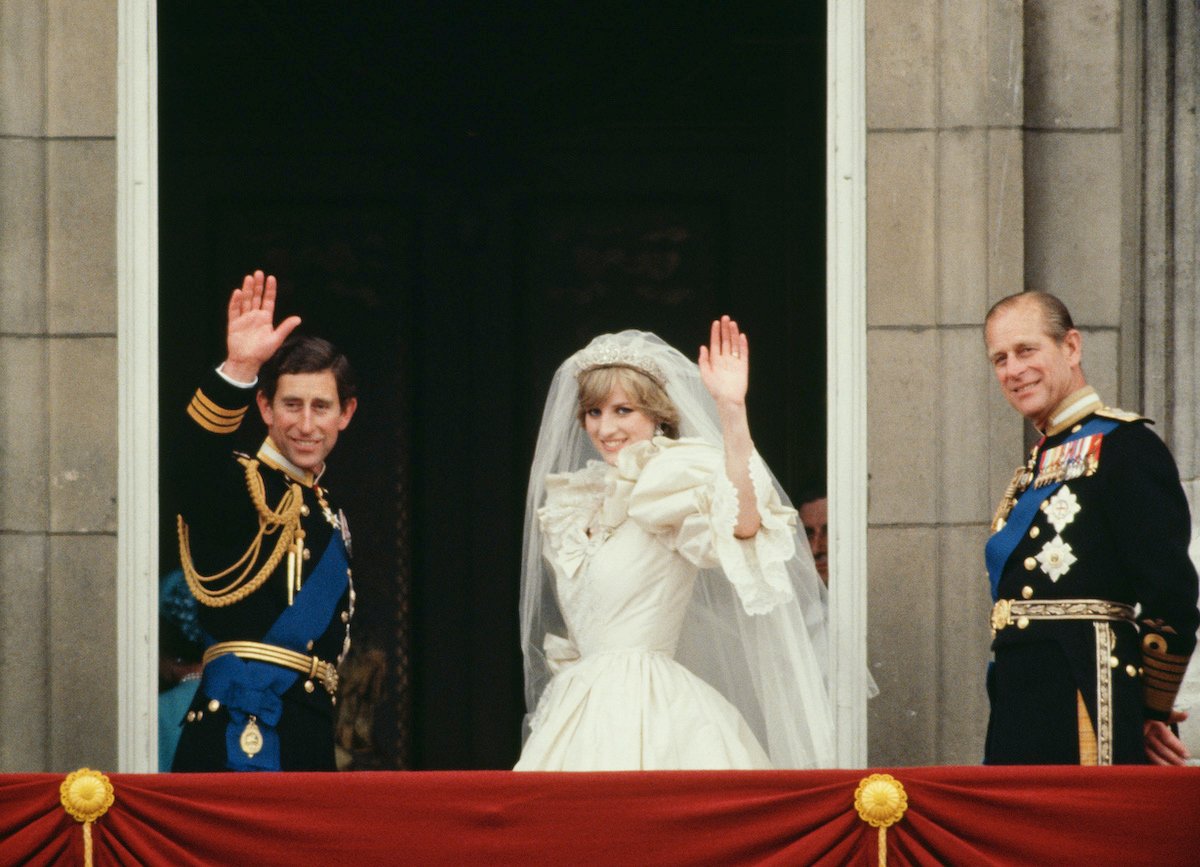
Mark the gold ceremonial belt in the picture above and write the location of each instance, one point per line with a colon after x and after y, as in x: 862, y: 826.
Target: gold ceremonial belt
x: 1007, y: 612
x: 309, y: 666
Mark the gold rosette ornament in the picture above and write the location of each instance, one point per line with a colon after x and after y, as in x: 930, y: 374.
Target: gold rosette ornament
x: 881, y: 801
x: 86, y: 795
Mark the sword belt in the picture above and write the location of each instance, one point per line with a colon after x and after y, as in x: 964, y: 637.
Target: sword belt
x: 310, y: 666
x: 1018, y: 612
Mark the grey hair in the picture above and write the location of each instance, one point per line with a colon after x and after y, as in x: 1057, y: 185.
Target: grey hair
x: 1055, y: 315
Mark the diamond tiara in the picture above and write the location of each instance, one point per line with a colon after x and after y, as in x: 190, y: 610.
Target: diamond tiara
x: 613, y: 355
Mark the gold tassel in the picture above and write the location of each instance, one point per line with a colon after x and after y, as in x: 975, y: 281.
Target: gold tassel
x: 86, y: 795
x: 881, y: 801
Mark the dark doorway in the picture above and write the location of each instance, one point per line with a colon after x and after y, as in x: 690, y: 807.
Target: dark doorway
x: 460, y: 195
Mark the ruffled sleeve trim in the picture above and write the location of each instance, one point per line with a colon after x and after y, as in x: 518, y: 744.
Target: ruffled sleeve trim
x: 573, y: 501
x: 682, y: 494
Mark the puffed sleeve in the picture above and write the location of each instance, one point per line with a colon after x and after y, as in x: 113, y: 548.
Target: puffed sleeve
x: 682, y: 495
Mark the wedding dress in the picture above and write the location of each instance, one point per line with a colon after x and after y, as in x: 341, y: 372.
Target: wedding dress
x: 625, y: 543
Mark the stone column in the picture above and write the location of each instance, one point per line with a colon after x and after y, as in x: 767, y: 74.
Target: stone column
x: 944, y: 240
x: 58, y: 385
x: 1171, y: 260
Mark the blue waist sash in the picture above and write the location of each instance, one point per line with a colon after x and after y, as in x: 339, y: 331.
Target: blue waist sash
x: 251, y: 688
x: 1004, y: 541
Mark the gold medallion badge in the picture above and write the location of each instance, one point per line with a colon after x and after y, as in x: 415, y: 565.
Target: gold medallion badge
x: 251, y: 740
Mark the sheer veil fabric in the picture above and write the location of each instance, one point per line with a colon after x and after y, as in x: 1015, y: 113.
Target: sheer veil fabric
x: 770, y: 662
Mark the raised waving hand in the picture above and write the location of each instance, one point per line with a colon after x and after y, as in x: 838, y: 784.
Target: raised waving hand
x: 251, y: 336
x: 725, y: 371
x: 725, y: 362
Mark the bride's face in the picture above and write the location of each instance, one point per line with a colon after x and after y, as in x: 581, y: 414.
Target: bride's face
x: 616, y: 423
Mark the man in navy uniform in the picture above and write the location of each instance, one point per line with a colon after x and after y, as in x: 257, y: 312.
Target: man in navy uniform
x: 262, y: 548
x: 1095, y: 598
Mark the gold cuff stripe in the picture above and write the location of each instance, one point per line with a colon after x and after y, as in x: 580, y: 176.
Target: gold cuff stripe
x: 215, y: 409
x: 1165, y: 661
x: 1170, y: 675
x: 213, y: 427
x: 1161, y: 678
x: 1165, y: 684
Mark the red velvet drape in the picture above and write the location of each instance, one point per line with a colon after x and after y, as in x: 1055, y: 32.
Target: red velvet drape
x: 956, y: 815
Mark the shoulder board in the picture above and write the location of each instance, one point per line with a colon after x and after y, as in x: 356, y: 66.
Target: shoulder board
x: 1121, y: 415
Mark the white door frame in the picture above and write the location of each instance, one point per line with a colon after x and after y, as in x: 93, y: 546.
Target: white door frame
x: 137, y: 372
x: 137, y: 386
x: 846, y: 372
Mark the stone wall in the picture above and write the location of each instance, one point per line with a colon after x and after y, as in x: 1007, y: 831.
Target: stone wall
x: 58, y: 385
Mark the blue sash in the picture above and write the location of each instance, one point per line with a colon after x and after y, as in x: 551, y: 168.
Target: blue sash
x: 247, y: 687
x: 1004, y: 541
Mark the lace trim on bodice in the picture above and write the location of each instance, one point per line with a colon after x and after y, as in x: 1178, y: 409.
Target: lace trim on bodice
x: 582, y: 510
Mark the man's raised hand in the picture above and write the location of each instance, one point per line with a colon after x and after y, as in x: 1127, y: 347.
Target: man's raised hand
x: 251, y: 337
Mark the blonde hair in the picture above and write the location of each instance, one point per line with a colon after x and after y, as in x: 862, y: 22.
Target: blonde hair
x: 646, y: 395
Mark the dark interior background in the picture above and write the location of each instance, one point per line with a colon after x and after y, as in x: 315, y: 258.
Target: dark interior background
x: 460, y: 195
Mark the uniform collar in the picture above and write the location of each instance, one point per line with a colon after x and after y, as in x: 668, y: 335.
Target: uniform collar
x: 269, y: 454
x: 1077, y: 406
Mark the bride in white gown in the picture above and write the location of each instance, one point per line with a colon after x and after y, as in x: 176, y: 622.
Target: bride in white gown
x: 671, y: 615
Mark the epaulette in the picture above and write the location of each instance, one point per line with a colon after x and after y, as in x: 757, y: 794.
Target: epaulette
x: 1121, y: 415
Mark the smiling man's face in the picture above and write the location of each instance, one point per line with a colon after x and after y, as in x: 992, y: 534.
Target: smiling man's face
x: 305, y: 417
x: 1035, y: 372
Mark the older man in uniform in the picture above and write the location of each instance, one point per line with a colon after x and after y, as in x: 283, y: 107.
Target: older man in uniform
x: 1095, y: 597
x: 262, y: 548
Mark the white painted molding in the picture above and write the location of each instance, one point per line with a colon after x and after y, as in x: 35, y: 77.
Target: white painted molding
x: 846, y: 366
x: 137, y: 388
x: 137, y: 338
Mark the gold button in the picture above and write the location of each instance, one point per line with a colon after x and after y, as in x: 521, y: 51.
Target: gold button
x: 305, y: 553
x: 1030, y: 564
x: 308, y: 686
x: 1034, y: 532
x: 1022, y: 622
x: 1141, y: 671
x: 333, y: 699
x: 1077, y: 428
x: 1113, y: 662
x: 214, y: 705
x: 191, y: 716
x: 1131, y: 670
x: 199, y: 715
x: 1026, y: 592
x: 308, y: 646
x: 304, y: 510
x: 345, y: 617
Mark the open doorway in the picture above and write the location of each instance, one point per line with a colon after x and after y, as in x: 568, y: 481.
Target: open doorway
x: 461, y: 196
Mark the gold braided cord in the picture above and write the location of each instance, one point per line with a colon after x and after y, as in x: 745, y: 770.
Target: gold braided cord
x: 284, y: 520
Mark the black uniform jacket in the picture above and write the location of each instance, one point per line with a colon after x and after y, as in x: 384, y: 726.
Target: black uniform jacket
x: 1122, y: 535
x: 221, y: 525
